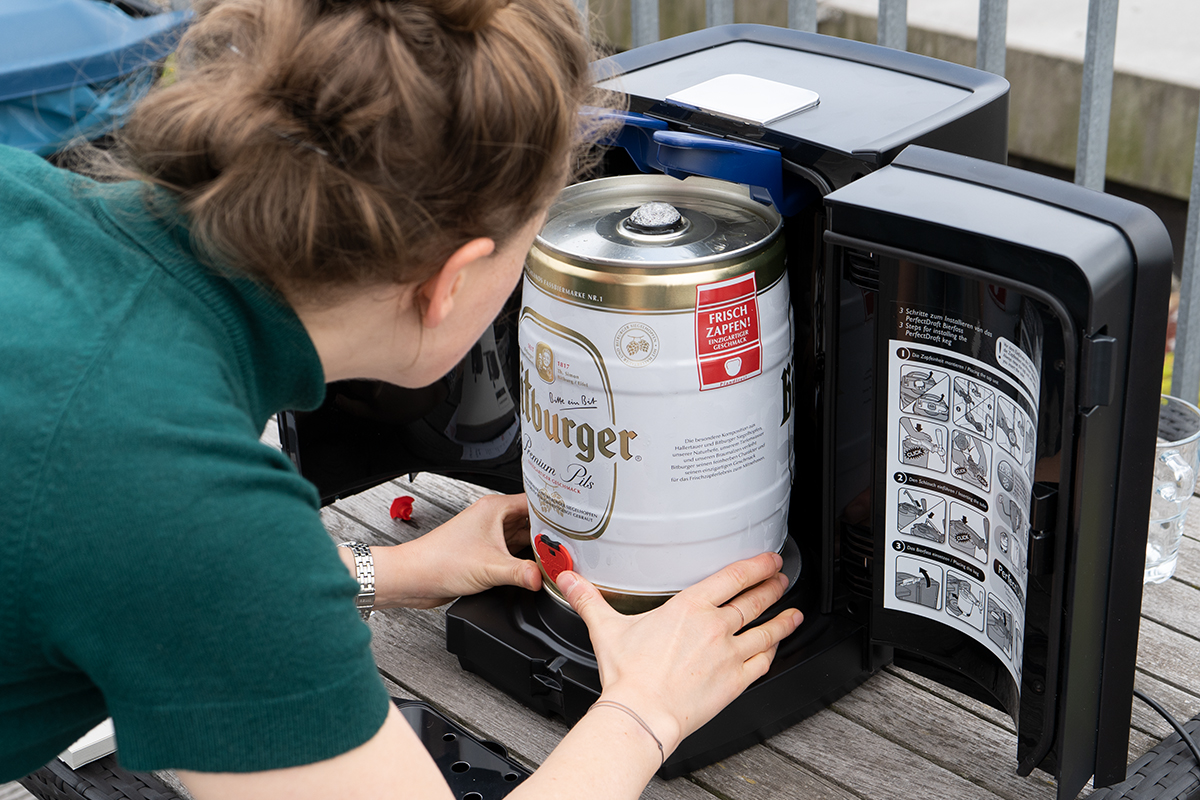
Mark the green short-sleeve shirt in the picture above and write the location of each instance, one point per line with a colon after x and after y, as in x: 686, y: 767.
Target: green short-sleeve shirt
x: 157, y: 562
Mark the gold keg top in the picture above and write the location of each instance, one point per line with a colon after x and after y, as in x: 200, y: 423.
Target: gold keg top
x: 644, y: 242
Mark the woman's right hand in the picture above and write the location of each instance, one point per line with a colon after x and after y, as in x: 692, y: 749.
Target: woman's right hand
x: 680, y: 664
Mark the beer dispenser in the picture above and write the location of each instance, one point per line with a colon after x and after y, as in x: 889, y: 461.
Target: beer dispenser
x: 973, y: 437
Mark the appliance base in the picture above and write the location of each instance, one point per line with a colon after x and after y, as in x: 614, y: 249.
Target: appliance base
x: 538, y: 651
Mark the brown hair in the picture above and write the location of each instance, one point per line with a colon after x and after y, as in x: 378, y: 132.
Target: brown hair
x: 317, y: 144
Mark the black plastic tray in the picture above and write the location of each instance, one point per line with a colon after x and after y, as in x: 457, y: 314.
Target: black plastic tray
x: 476, y: 769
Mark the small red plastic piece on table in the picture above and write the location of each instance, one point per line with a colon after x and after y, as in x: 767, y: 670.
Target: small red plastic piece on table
x: 402, y: 507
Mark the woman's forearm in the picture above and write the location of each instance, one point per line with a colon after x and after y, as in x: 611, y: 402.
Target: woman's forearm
x: 607, y: 755
x: 400, y: 581
x: 470, y: 553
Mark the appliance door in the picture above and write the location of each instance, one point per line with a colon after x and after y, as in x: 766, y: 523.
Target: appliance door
x: 1013, y: 436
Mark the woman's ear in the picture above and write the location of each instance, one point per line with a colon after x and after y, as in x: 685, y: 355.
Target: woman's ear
x: 435, y: 297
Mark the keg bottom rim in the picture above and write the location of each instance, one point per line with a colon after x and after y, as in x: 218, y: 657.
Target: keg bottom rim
x: 630, y: 603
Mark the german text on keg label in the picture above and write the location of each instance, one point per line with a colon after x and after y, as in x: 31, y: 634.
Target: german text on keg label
x: 717, y: 454
x: 728, y: 341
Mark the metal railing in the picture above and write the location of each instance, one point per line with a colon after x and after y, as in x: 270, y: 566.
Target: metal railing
x: 1094, y: 112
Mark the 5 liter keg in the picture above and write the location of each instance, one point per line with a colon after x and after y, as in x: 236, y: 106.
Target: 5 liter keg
x: 656, y: 352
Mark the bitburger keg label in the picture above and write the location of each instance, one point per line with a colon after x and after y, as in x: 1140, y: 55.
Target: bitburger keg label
x: 728, y: 346
x: 656, y: 347
x: 573, y: 447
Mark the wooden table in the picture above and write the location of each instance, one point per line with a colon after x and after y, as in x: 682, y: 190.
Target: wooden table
x: 897, y: 736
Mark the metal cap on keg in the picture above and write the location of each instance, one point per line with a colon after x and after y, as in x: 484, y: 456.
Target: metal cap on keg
x: 654, y: 222
x: 654, y: 219
x: 646, y: 241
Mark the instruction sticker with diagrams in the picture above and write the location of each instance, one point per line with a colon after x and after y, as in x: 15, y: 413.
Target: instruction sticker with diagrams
x: 961, y: 435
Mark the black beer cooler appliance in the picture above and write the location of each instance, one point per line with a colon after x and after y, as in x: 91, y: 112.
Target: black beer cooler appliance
x: 975, y: 382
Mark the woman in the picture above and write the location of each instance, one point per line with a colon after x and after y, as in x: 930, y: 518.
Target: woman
x: 328, y: 190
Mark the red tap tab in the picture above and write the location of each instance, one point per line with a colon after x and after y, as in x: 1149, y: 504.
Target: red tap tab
x: 728, y: 341
x: 553, y: 556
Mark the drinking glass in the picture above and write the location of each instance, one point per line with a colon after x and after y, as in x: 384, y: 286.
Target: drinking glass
x: 1175, y: 466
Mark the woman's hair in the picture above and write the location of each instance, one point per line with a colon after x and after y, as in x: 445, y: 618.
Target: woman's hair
x: 318, y: 145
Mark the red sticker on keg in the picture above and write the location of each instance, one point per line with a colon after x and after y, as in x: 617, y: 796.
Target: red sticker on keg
x: 554, y: 556
x: 728, y: 341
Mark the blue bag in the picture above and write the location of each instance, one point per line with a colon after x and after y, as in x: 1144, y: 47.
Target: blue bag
x: 71, y: 68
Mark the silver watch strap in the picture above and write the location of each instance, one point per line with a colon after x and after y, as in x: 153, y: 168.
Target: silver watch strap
x: 364, y: 571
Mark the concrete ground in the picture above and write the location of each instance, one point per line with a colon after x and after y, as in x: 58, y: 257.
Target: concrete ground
x: 1155, y: 38
x: 1156, y: 86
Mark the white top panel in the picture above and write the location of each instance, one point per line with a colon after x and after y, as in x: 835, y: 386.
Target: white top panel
x: 859, y: 103
x: 747, y: 98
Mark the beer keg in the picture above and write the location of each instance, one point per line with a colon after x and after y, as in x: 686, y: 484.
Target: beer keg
x: 656, y: 384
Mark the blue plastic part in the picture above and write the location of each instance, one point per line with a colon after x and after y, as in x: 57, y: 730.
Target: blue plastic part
x: 654, y: 148
x: 683, y: 154
x: 73, y: 68
x: 636, y: 135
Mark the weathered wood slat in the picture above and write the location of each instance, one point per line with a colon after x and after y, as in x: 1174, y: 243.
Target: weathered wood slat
x: 1139, y: 744
x: 982, y: 710
x: 1174, y: 604
x: 270, y: 434
x: 1149, y: 727
x: 977, y: 767
x: 14, y: 791
x: 435, y: 500
x: 760, y: 773
x: 848, y: 755
x: 943, y: 733
x: 1191, y: 528
x: 450, y: 494
x: 1169, y: 656
x: 1188, y: 568
x: 369, y: 511
x: 1182, y: 705
x: 755, y: 774
x: 410, y: 647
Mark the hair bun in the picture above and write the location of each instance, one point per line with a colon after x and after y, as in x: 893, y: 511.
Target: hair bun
x: 360, y: 143
x: 468, y: 16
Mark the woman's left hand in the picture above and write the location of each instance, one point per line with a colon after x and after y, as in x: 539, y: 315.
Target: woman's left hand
x: 470, y: 553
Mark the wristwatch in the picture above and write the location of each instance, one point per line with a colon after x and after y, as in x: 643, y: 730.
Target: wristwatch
x: 364, y: 571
